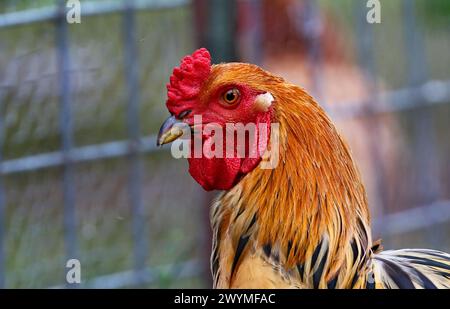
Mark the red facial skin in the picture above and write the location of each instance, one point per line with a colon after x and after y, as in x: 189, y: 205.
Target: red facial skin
x: 224, y: 173
x: 219, y: 173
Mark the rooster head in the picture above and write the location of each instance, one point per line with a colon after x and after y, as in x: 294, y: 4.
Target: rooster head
x: 227, y: 97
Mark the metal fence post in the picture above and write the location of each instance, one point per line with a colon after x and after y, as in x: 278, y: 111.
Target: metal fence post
x: 365, y: 46
x: 2, y: 207
x: 428, y: 186
x: 66, y: 128
x: 221, y: 30
x: 312, y: 27
x: 135, y: 161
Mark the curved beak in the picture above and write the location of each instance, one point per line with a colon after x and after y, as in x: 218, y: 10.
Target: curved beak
x: 170, y: 130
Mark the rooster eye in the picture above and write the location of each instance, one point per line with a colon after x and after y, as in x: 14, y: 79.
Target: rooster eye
x: 184, y: 114
x: 231, y: 96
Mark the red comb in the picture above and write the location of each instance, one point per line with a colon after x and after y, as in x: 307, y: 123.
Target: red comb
x: 186, y: 80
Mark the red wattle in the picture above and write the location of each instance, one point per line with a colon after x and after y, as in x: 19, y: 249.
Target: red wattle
x: 225, y: 173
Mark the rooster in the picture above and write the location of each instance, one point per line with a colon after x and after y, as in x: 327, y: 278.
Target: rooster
x: 304, y: 223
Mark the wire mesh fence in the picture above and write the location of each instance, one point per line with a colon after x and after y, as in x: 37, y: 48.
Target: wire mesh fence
x: 70, y: 188
x: 80, y: 176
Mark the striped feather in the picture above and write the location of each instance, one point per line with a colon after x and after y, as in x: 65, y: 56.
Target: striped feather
x: 412, y: 268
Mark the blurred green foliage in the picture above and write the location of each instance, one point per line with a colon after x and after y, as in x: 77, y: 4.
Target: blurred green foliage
x: 17, y: 5
x: 434, y: 12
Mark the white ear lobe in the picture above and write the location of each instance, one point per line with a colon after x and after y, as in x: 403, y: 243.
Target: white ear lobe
x: 264, y: 101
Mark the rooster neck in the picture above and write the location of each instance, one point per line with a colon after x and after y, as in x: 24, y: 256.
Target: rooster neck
x: 311, y: 205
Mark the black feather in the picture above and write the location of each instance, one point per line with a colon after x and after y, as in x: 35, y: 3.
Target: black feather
x: 301, y: 270
x: 243, y: 240
x: 398, y: 275
x: 267, y: 248
x: 318, y: 273
x: 240, y: 248
x: 332, y: 283
x: 355, y: 250
x: 289, y: 248
x: 355, y: 279
x: 316, y: 254
x: 425, y: 261
x: 427, y: 284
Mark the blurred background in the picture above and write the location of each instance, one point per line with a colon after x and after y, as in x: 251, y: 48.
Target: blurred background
x: 80, y: 104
